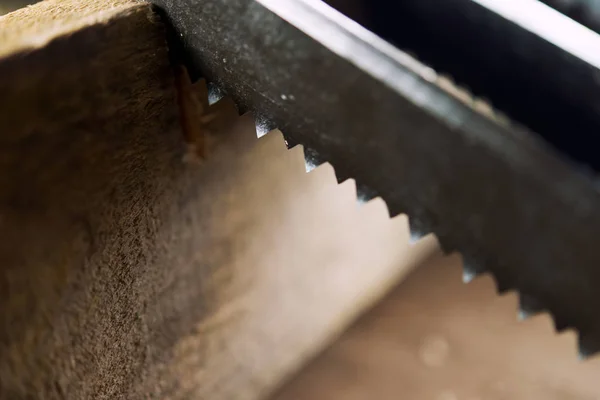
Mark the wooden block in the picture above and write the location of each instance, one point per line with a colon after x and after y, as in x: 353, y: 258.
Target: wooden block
x: 436, y: 338
x: 89, y: 155
x: 127, y: 271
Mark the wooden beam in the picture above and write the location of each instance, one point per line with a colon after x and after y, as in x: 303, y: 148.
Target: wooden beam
x: 436, y: 338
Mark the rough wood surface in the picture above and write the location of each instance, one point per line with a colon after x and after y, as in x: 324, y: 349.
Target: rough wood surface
x: 435, y: 338
x: 86, y: 117
x: 127, y: 272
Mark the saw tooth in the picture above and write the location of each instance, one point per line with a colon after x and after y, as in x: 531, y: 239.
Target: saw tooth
x: 415, y: 234
x: 471, y: 269
x: 522, y: 315
x: 425, y: 240
x: 365, y: 194
x: 586, y: 350
x: 214, y: 93
x: 263, y: 125
x: 469, y: 273
x: 308, y: 166
x: 311, y: 159
x: 528, y: 307
x: 582, y: 349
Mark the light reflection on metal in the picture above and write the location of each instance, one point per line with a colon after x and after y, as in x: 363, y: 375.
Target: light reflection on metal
x: 551, y: 25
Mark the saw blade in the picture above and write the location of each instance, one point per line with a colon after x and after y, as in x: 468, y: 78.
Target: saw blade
x: 486, y: 187
x: 450, y: 340
x: 206, y: 127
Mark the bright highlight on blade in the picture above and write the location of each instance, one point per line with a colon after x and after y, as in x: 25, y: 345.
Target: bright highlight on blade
x: 551, y: 25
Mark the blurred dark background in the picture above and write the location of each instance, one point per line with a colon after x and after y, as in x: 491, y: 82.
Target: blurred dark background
x: 586, y: 12
x: 7, y: 6
x: 535, y: 83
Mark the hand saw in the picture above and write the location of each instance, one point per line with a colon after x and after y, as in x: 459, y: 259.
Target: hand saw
x: 504, y: 197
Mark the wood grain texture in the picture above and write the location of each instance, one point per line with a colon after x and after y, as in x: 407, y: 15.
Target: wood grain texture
x: 435, y: 338
x: 88, y: 155
x: 128, y: 271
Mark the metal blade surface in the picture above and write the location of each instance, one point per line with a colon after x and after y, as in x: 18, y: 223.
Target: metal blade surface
x: 486, y: 187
